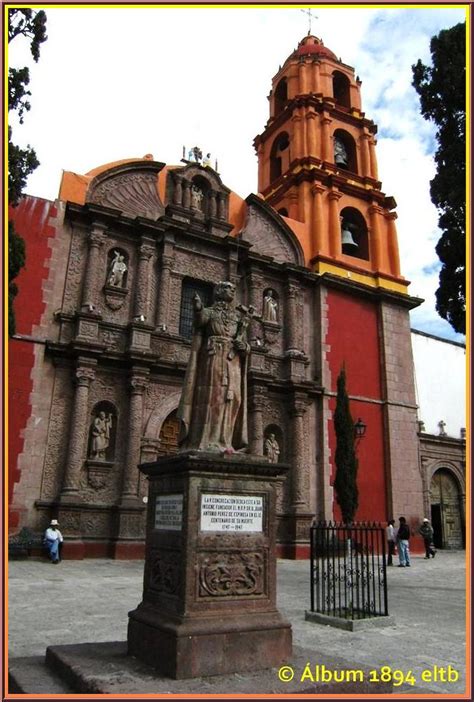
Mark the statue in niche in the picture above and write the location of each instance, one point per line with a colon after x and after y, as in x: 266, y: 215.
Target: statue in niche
x: 196, y: 198
x: 272, y: 448
x: 213, y: 405
x: 270, y: 307
x: 340, y: 153
x: 101, y: 427
x: 118, y: 268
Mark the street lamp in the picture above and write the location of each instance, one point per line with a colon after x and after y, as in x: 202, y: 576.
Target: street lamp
x: 359, y: 428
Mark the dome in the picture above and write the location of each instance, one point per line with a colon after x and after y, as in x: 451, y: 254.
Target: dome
x: 311, y: 45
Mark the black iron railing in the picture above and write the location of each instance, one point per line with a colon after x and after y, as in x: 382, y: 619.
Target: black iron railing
x: 348, y: 570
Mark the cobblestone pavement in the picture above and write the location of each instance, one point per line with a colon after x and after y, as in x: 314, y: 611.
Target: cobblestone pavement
x: 88, y: 601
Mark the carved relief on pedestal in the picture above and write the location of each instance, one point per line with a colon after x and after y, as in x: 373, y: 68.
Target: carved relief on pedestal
x: 113, y: 340
x: 231, y: 574
x: 164, y: 571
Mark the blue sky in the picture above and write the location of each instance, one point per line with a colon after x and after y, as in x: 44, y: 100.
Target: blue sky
x: 116, y: 83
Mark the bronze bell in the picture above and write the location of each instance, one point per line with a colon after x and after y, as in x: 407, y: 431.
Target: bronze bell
x: 347, y: 238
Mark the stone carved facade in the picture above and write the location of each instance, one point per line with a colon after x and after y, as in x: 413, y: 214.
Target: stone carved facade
x: 123, y: 346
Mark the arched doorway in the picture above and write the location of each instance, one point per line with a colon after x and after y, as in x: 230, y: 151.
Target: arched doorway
x: 446, y: 514
x: 169, y: 435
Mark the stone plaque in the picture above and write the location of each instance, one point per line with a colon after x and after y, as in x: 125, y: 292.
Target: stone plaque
x: 231, y: 513
x: 169, y: 512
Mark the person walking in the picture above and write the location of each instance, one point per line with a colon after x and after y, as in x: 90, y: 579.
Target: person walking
x: 403, y: 538
x: 53, y: 540
x: 391, y: 538
x: 426, y: 531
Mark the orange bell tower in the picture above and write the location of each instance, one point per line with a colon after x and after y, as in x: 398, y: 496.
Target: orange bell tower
x: 318, y: 167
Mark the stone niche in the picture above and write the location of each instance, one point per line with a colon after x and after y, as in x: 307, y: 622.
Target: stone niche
x: 209, y: 597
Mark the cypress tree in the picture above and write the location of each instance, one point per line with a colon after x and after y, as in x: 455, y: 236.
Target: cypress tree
x: 345, y: 483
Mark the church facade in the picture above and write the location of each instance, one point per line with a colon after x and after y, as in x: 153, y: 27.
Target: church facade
x: 104, y: 321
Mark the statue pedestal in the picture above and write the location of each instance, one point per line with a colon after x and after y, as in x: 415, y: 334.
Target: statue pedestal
x: 209, y: 596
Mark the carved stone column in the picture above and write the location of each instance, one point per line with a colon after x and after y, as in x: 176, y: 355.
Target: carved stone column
x: 326, y: 153
x: 373, y: 159
x: 316, y: 77
x: 294, y: 207
x: 311, y: 133
x: 375, y: 241
x: 221, y: 206
x: 89, y: 290
x: 256, y: 421
x: 291, y: 317
x: 303, y: 77
x: 365, y: 157
x: 298, y: 466
x: 335, y: 244
x: 297, y: 136
x: 167, y: 260
x: 145, y: 252
x: 212, y: 203
x: 393, y: 253
x: 178, y: 190
x: 255, y: 287
x: 84, y: 375
x: 320, y: 238
x: 186, y: 194
x: 138, y: 385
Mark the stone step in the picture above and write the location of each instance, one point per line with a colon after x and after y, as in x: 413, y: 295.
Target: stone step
x: 31, y: 675
x: 105, y: 668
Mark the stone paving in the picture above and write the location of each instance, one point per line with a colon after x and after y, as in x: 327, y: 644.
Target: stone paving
x: 88, y: 601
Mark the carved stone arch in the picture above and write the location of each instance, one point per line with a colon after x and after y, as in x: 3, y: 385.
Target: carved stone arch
x: 449, y: 467
x: 447, y: 506
x: 269, y: 234
x: 131, y: 188
x: 159, y: 414
x: 195, y: 170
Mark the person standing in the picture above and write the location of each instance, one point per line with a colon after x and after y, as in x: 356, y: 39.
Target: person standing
x: 403, y: 542
x: 426, y: 531
x: 52, y: 540
x: 391, y: 538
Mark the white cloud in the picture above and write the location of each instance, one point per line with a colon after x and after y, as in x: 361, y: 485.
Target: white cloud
x: 122, y: 82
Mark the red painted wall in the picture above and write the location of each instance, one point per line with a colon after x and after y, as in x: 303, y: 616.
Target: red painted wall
x: 31, y: 222
x: 353, y: 341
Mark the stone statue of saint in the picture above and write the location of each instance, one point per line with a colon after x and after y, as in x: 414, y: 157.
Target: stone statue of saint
x: 272, y: 449
x: 118, y: 267
x: 197, y: 154
x: 270, y: 308
x: 101, y: 427
x: 207, y: 161
x: 340, y: 153
x: 196, y: 198
x: 213, y: 405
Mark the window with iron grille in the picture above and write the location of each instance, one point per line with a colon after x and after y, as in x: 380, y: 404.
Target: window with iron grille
x: 190, y: 287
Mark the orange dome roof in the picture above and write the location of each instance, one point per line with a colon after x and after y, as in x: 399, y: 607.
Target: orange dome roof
x: 314, y: 46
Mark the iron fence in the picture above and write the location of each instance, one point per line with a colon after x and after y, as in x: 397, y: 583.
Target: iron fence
x: 348, y: 570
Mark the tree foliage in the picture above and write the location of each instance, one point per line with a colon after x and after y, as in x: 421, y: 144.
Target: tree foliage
x: 31, y: 25
x: 442, y: 91
x: 345, y: 483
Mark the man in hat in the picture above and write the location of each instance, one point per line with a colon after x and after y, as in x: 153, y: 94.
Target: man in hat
x: 52, y: 540
x: 426, y: 531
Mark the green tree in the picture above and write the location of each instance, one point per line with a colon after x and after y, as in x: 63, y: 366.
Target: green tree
x: 21, y: 162
x: 442, y: 91
x: 345, y: 483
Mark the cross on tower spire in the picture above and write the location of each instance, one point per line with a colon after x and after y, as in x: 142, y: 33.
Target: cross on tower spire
x: 310, y: 17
